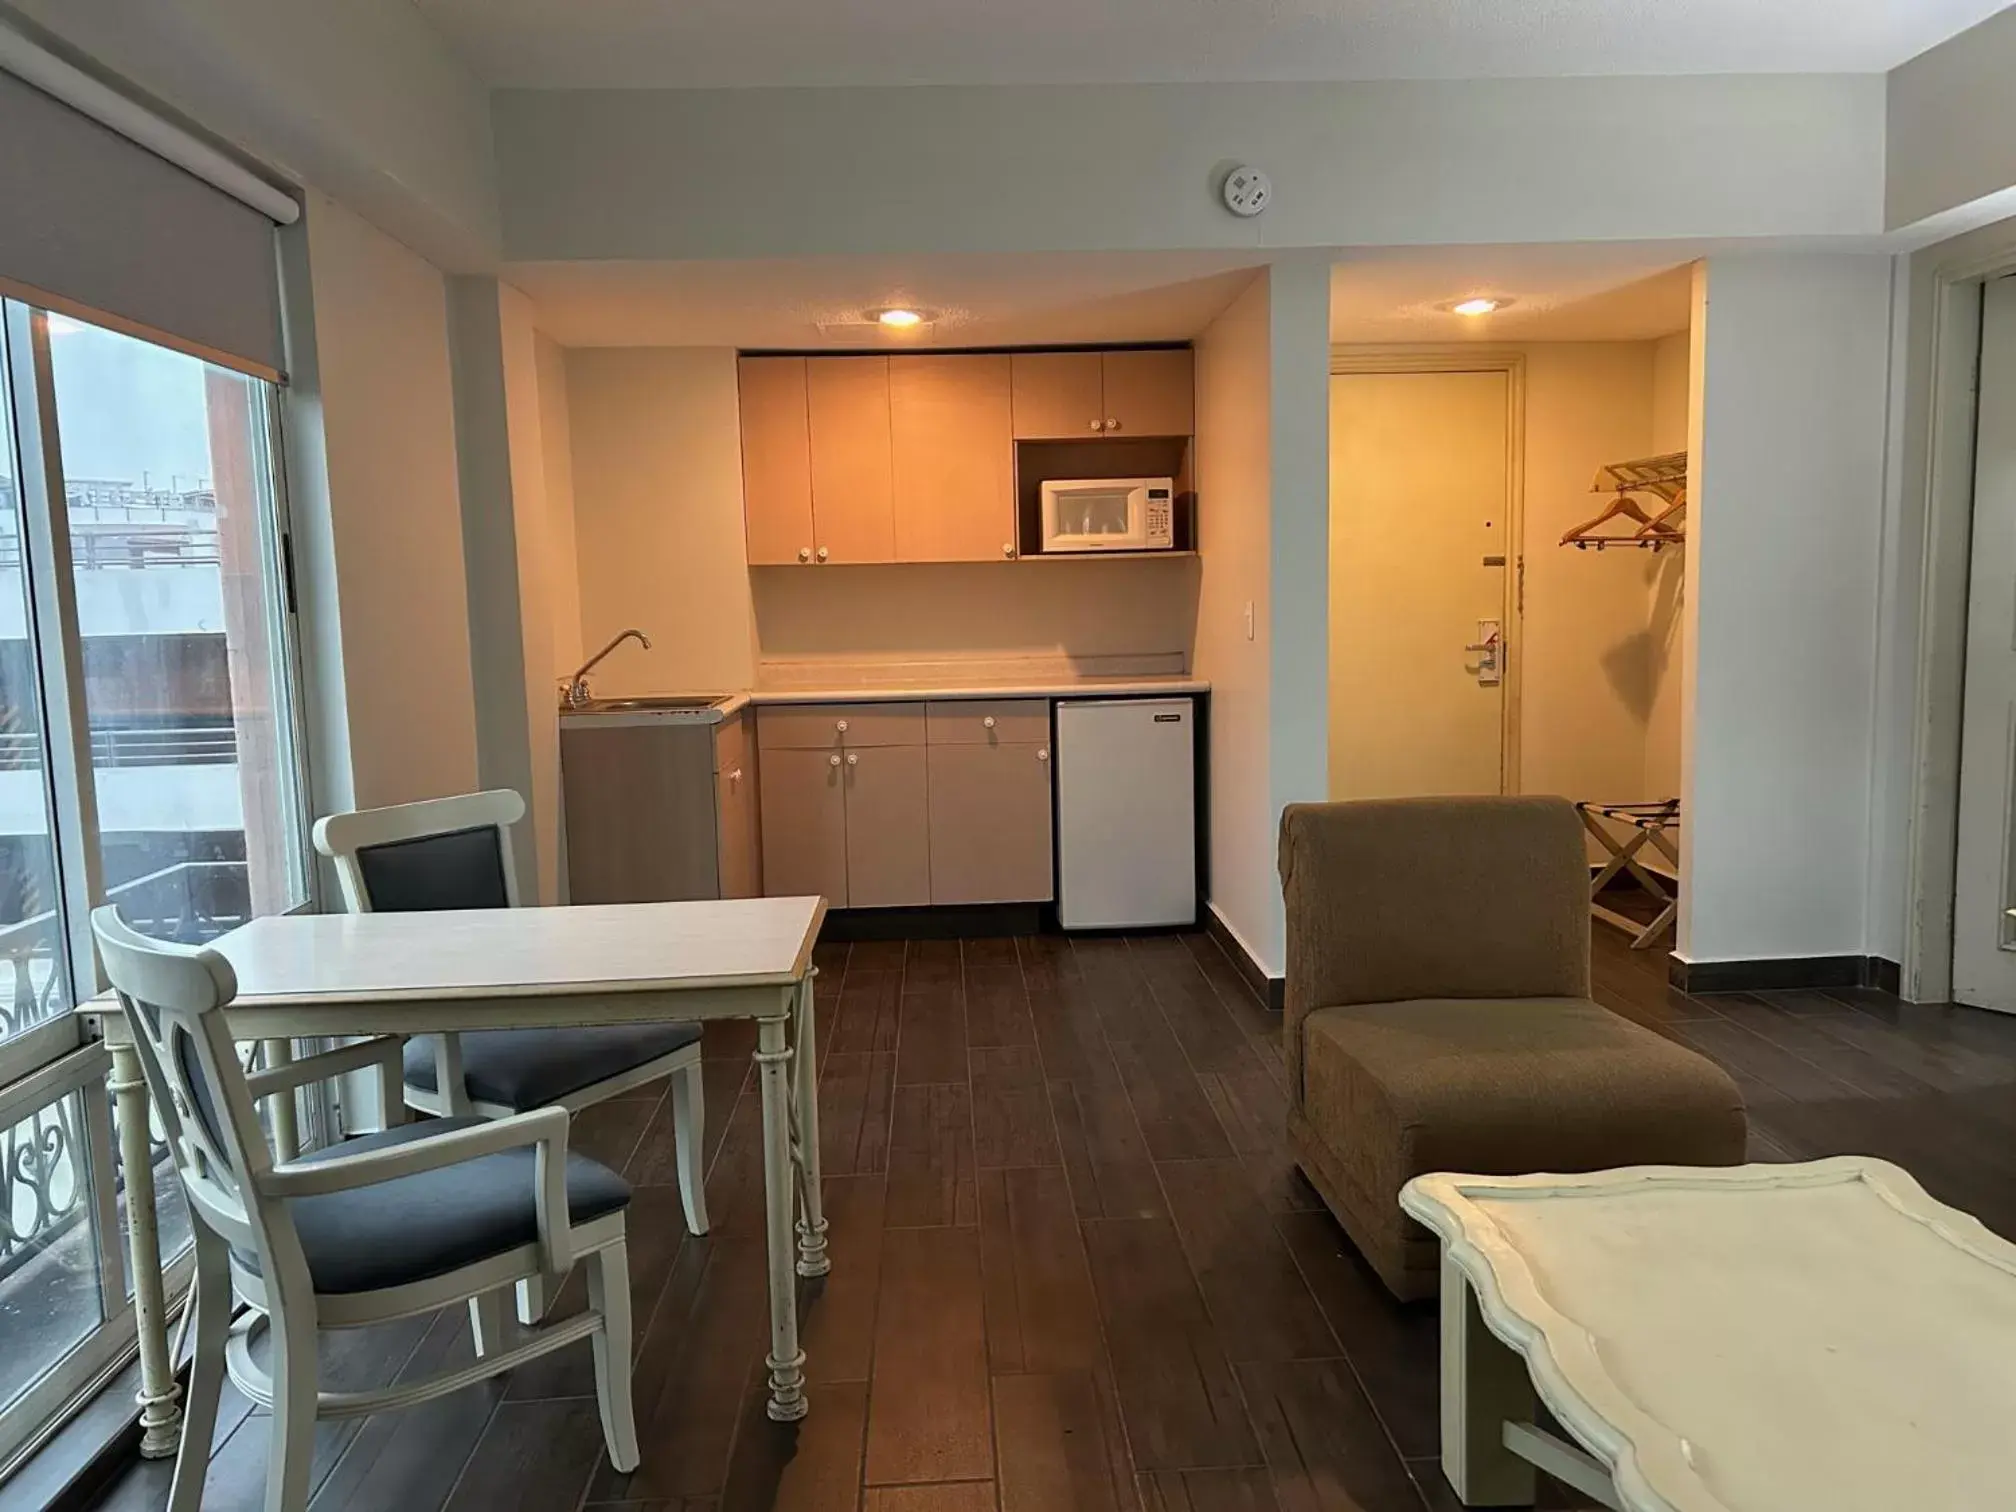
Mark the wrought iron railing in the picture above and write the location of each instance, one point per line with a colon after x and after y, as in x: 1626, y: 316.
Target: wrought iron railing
x: 42, y: 1168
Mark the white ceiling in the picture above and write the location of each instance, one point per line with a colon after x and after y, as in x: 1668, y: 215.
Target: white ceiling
x: 711, y: 43
x: 1558, y: 293
x: 1572, y: 293
x: 991, y: 300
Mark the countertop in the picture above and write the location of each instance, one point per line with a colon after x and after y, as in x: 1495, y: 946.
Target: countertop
x: 1055, y: 687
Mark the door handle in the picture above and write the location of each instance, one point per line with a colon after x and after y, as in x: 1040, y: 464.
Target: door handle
x: 1489, y: 648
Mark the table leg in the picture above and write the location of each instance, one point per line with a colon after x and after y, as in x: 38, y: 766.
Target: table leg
x: 1484, y: 1387
x: 286, y: 1112
x: 159, y: 1396
x: 787, y: 1360
x: 812, y: 1260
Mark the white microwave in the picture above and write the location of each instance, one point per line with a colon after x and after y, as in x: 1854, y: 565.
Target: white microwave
x: 1109, y: 514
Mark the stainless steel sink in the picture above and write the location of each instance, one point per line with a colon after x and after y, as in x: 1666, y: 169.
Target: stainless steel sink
x: 668, y: 704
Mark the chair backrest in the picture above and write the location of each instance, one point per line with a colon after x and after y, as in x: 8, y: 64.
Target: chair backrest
x: 1399, y: 899
x: 170, y: 995
x: 437, y: 854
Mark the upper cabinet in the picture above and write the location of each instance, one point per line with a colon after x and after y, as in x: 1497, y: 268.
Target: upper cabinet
x: 911, y: 458
x: 954, y: 452
x: 853, y: 496
x: 1068, y: 396
x: 776, y: 460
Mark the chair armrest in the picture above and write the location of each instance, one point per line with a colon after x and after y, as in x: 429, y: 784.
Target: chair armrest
x: 545, y: 1129
x: 386, y: 1052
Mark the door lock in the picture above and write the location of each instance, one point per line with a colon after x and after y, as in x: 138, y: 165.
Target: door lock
x: 1489, y: 648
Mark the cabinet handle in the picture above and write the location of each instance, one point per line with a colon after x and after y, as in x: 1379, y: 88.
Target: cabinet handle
x: 832, y: 761
x: 840, y: 725
x: 1042, y: 753
x: 822, y: 553
x: 804, y: 553
x: 988, y: 722
x: 1008, y: 550
x: 736, y: 775
x: 853, y: 760
x: 1112, y: 425
x: 1098, y: 425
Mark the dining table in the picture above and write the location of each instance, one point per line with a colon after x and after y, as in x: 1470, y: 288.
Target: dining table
x: 355, y: 975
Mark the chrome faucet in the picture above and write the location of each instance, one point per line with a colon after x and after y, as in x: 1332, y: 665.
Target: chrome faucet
x: 577, y: 685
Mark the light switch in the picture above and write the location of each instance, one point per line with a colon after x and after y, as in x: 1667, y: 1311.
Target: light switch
x: 1249, y: 619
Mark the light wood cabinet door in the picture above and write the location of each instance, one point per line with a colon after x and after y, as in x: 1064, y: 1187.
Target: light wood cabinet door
x: 735, y: 808
x: 804, y: 823
x: 888, y: 828
x: 1057, y: 395
x: 853, y: 508
x: 953, y: 445
x: 990, y: 823
x: 640, y: 813
x: 776, y: 460
x: 1149, y: 393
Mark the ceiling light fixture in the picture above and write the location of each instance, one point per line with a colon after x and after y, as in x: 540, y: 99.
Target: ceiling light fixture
x: 1482, y: 304
x: 899, y: 319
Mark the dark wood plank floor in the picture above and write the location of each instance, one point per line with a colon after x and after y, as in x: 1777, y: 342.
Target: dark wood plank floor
x: 1074, y: 1266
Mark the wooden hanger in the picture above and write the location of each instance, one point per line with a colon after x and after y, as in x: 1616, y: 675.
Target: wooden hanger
x: 1664, y: 478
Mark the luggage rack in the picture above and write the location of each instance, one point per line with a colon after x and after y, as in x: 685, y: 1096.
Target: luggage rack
x: 1642, y: 824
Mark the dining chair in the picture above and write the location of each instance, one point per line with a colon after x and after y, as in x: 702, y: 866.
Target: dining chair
x: 456, y: 853
x: 411, y: 1219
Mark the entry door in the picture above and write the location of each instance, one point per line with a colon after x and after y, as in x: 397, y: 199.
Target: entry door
x: 1984, y: 936
x: 1418, y: 540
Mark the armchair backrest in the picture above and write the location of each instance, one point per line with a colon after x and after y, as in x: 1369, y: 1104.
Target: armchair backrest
x: 170, y: 995
x: 1398, y: 899
x: 437, y: 854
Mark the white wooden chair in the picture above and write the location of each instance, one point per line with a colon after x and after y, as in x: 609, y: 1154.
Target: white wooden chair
x: 411, y: 1219
x: 456, y: 853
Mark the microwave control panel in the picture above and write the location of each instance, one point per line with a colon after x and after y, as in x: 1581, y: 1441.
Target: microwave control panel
x: 1160, y: 524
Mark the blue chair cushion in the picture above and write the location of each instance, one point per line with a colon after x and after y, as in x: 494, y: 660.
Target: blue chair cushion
x: 414, y: 1228
x: 529, y: 1068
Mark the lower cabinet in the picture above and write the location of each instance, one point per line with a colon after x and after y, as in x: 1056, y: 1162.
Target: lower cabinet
x: 735, y: 804
x: 990, y: 823
x: 897, y: 805
x: 888, y: 834
x: 804, y: 824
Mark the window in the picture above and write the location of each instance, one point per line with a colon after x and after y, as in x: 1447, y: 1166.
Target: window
x: 148, y: 757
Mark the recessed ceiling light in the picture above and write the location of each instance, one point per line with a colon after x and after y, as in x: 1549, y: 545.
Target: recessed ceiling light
x: 1481, y: 304
x: 900, y: 319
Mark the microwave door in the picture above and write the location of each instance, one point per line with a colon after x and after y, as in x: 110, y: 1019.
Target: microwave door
x: 1091, y: 516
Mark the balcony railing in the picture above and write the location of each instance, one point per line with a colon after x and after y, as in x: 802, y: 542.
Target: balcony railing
x: 43, y: 1193
x: 187, y: 745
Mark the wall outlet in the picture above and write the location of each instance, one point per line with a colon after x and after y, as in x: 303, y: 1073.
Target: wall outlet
x: 1249, y: 619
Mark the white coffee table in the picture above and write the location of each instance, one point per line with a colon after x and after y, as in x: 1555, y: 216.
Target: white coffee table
x: 1766, y: 1338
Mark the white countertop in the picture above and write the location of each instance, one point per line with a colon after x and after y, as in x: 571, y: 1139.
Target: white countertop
x: 907, y: 692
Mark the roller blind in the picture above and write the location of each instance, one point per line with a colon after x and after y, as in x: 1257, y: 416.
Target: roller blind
x: 92, y: 218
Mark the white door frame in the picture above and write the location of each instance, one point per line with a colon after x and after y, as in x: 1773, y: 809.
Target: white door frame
x: 1937, y: 472
x: 1480, y: 359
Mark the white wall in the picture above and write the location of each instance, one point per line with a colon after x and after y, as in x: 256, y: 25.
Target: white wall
x: 1665, y: 576
x: 1788, y: 468
x: 795, y: 172
x: 378, y: 514
x: 658, y: 517
x: 1952, y: 124
x: 1233, y: 463
x: 362, y: 99
x: 556, y: 432
x: 1587, y: 677
x: 1098, y: 617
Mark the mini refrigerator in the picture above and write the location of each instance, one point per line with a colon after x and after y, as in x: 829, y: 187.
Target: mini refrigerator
x: 1126, y: 812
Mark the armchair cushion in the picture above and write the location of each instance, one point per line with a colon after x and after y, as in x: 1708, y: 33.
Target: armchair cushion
x: 530, y: 1068
x: 414, y: 1228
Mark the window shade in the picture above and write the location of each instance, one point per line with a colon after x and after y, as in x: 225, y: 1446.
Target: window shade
x: 88, y: 217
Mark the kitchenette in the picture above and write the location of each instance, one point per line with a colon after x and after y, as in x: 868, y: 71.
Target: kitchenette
x: 970, y: 580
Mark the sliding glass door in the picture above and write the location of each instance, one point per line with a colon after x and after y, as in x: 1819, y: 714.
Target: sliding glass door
x: 148, y: 758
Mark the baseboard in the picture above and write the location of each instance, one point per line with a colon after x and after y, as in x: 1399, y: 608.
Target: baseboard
x: 951, y: 922
x: 1272, y: 990
x: 1784, y: 974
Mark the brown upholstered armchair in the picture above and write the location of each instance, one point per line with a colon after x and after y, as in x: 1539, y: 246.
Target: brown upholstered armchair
x: 1438, y: 1017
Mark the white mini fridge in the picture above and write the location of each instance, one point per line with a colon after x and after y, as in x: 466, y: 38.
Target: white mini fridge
x: 1126, y: 812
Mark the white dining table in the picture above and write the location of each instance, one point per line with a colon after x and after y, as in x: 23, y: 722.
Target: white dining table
x: 307, y: 976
